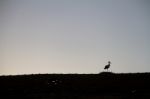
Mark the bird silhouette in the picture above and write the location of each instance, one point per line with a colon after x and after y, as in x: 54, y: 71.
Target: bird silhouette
x: 107, y: 66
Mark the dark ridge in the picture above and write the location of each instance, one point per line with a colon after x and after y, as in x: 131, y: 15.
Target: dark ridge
x: 105, y: 85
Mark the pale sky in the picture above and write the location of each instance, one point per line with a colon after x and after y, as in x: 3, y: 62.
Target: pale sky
x: 74, y: 36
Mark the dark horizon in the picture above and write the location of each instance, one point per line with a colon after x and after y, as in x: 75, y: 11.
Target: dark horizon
x: 76, y: 86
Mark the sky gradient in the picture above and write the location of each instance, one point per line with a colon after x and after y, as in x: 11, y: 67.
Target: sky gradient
x: 74, y: 36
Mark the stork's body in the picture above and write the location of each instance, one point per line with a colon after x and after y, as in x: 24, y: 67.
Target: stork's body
x: 107, y: 66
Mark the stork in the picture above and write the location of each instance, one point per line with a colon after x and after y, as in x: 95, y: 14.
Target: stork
x: 107, y: 66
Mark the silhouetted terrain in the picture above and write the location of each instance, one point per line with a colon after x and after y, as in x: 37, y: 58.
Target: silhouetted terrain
x: 76, y: 86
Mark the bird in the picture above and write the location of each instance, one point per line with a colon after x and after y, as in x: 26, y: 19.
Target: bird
x: 107, y: 66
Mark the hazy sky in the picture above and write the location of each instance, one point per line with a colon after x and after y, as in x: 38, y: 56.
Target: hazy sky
x: 74, y: 36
